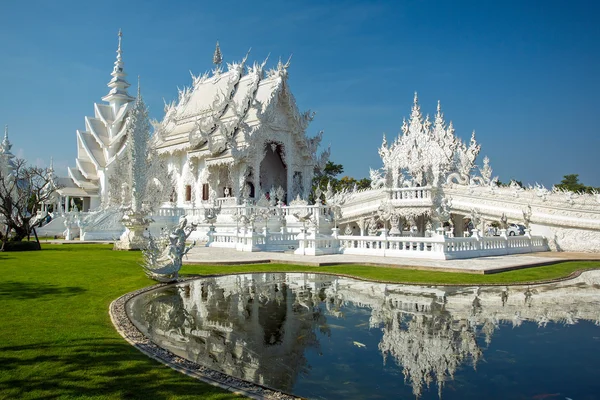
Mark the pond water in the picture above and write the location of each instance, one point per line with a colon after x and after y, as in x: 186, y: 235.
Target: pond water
x: 330, y: 337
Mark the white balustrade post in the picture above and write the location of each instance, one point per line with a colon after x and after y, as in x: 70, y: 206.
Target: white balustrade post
x: 475, y: 234
x: 211, y: 235
x: 384, y: 240
x: 266, y: 236
x: 335, y: 232
x: 301, y: 242
x: 529, y: 241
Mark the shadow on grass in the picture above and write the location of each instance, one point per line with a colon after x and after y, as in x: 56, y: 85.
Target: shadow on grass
x: 77, y: 247
x: 102, y: 367
x: 27, y: 290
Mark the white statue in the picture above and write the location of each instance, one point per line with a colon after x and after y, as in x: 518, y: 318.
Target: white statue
x: 163, y: 260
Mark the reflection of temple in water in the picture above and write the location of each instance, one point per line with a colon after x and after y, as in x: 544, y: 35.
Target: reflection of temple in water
x: 258, y: 327
x: 431, y: 331
x: 255, y: 327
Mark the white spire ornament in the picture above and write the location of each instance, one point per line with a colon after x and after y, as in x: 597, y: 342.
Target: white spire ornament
x: 217, y: 57
x: 117, y: 96
x: 143, y: 181
x: 5, y: 154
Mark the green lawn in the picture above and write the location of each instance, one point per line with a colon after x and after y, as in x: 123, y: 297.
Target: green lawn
x: 57, y: 341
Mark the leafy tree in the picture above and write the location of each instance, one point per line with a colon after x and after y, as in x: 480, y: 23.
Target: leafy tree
x: 571, y: 182
x: 22, y: 190
x: 329, y: 175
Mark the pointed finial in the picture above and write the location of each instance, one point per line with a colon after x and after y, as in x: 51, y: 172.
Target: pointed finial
x: 217, y: 57
x: 51, y: 167
x: 439, y: 107
x: 246, y: 56
x: 287, y: 64
x: 139, y: 88
x: 120, y: 34
x: 416, y: 100
x: 5, y: 146
x: 265, y: 61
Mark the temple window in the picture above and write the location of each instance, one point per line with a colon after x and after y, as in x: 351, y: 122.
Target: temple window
x: 188, y: 192
x: 205, y: 193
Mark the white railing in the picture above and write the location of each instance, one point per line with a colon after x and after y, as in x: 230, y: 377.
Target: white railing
x: 248, y: 240
x: 321, y: 210
x: 436, y: 247
x: 440, y: 247
x: 226, y: 201
x: 387, y: 246
x: 410, y: 193
x: 171, y: 212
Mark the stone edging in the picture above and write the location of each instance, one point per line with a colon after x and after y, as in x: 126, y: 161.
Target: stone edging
x: 133, y: 336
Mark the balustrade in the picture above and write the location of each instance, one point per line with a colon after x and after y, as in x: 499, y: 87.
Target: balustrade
x: 410, y: 193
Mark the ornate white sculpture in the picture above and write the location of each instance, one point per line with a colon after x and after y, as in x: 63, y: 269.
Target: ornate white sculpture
x: 163, y: 258
x: 426, y: 154
x: 142, y: 179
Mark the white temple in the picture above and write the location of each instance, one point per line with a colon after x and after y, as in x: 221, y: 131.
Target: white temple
x: 235, y: 145
x: 234, y: 130
x: 102, y: 142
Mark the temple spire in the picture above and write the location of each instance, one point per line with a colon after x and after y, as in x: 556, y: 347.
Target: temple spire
x: 119, y: 51
x: 117, y: 96
x: 217, y: 57
x: 5, y: 153
x: 6, y: 146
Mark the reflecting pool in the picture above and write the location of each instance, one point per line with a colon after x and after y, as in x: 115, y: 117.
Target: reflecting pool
x: 331, y: 337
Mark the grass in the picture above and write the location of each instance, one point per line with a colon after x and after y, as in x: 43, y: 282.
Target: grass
x: 57, y: 341
x: 549, y: 272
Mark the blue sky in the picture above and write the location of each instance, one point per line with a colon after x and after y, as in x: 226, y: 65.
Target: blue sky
x: 523, y: 74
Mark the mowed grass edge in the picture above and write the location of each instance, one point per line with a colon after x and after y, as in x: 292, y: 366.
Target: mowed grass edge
x: 57, y: 341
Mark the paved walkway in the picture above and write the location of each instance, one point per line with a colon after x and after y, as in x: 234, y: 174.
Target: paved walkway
x: 483, y: 265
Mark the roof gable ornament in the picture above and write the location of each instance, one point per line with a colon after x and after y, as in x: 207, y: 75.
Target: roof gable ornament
x: 281, y: 68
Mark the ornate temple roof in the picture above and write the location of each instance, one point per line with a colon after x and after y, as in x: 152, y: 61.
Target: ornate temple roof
x: 103, y: 139
x: 220, y: 111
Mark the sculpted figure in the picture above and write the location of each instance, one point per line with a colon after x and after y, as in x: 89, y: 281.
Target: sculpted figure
x: 163, y: 261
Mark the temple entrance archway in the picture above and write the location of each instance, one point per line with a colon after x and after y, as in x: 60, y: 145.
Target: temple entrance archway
x: 273, y: 170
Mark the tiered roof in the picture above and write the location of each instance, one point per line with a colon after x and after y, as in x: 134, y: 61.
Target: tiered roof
x: 104, y: 136
x: 217, y: 115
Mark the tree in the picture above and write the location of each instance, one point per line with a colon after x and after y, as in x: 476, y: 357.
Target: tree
x: 329, y: 176
x: 571, y: 183
x: 22, y: 190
